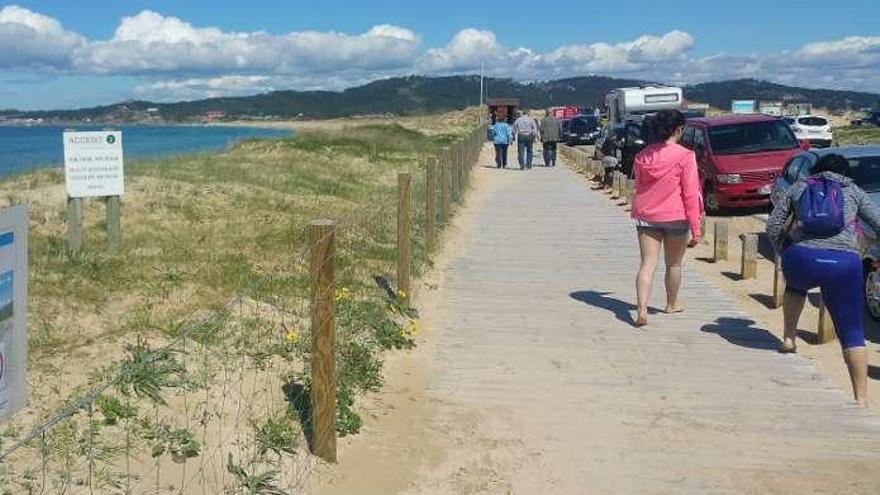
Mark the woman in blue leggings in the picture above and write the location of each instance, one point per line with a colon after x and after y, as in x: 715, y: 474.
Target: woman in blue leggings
x: 832, y: 262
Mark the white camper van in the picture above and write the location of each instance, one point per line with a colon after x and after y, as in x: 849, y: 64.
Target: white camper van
x: 623, y: 102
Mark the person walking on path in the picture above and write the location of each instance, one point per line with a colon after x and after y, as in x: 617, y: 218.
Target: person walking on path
x: 526, y: 130
x: 551, y: 134
x: 667, y: 204
x: 816, y: 228
x: 502, y: 135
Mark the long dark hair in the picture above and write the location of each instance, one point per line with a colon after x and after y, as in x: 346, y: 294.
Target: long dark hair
x: 665, y: 123
x: 831, y: 163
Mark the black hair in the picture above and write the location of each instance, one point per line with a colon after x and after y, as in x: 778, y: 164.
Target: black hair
x: 665, y: 123
x: 831, y: 163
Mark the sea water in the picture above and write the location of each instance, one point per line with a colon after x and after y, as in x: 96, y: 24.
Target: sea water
x: 26, y: 148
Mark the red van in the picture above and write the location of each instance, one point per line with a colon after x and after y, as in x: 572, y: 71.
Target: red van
x: 739, y: 156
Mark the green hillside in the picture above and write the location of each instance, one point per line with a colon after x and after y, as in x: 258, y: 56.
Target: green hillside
x: 420, y: 95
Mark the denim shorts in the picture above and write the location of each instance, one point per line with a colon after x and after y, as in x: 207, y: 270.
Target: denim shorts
x: 674, y: 228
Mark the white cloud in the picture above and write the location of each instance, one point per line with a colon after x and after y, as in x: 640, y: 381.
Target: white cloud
x: 29, y: 39
x: 228, y: 85
x: 177, y: 59
x: 469, y: 47
x: 149, y: 42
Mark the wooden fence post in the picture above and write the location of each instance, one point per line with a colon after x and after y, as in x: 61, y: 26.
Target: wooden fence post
x: 721, y: 240
x: 404, y: 253
x: 323, y: 392
x: 431, y: 203
x: 113, y: 220
x: 778, y: 282
x: 825, y: 333
x: 749, y: 267
x: 74, y: 223
x: 446, y: 190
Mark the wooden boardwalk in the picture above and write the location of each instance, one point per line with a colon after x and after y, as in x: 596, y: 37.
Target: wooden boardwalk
x: 534, y: 340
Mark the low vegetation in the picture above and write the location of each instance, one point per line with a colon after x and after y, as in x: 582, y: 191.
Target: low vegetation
x: 857, y: 135
x: 199, y: 321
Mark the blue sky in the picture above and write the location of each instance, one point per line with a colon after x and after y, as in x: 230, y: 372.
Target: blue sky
x: 69, y: 54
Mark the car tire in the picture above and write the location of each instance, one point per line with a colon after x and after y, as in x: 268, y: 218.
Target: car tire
x: 872, y: 293
x: 713, y: 208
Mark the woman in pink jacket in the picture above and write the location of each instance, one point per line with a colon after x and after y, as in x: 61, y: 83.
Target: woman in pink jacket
x: 667, y: 206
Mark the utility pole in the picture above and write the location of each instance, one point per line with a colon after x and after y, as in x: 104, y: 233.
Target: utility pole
x: 481, y: 92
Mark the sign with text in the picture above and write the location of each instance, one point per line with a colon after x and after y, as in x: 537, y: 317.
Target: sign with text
x: 93, y: 163
x: 13, y: 309
x: 742, y: 106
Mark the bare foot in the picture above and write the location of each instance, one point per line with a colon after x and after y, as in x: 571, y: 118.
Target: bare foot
x: 674, y: 308
x: 641, y: 321
x: 862, y: 402
x: 788, y: 346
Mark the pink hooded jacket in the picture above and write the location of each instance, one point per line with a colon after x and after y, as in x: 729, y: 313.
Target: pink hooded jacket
x: 667, y: 186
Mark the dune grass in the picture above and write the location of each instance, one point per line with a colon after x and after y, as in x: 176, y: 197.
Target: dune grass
x: 857, y: 135
x: 198, y: 233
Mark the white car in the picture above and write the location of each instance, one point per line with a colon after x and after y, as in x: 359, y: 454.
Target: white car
x: 813, y: 128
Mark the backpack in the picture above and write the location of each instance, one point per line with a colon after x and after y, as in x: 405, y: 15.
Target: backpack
x: 820, y: 208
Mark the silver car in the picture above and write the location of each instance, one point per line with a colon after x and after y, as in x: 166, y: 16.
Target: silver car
x: 864, y: 162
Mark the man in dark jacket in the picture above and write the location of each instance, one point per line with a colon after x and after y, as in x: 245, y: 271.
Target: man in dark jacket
x: 551, y: 134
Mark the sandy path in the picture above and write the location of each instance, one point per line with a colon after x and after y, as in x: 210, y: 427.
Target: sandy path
x: 534, y: 382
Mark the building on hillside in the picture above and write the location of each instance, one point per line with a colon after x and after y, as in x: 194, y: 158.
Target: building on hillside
x: 502, y: 108
x: 213, y: 116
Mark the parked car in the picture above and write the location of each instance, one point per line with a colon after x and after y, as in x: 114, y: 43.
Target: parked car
x: 582, y: 129
x: 864, y: 162
x: 870, y: 120
x: 739, y: 157
x: 813, y: 128
x: 636, y: 136
x: 600, y: 140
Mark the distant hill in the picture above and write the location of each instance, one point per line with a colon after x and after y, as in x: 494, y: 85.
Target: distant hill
x: 419, y: 95
x: 719, y: 94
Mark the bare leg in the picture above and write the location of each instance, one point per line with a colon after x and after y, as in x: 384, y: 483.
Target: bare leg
x: 674, y: 249
x: 792, y: 306
x: 857, y: 362
x: 649, y: 244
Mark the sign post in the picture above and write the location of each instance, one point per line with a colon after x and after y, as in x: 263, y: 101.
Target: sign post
x: 13, y: 309
x: 93, y: 167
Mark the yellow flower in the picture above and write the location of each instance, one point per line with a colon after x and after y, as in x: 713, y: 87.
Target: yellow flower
x: 401, y: 294
x: 341, y: 294
x: 292, y: 336
x: 414, y: 329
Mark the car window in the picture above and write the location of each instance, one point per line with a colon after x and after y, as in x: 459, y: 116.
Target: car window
x: 865, y: 172
x: 797, y: 168
x: 687, y: 139
x: 812, y: 121
x: 751, y: 137
x: 788, y: 120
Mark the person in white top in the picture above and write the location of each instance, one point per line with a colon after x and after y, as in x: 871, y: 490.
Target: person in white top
x: 526, y: 130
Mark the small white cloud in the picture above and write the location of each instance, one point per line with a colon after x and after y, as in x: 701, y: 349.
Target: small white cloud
x: 467, y: 49
x: 30, y: 39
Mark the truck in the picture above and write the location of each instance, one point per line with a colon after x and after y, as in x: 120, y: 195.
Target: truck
x: 566, y: 112
x: 625, y: 102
